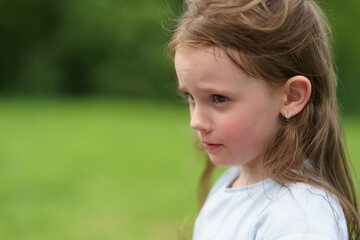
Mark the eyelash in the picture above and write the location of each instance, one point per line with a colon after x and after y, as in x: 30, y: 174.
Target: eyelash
x: 185, y: 96
x: 216, y: 98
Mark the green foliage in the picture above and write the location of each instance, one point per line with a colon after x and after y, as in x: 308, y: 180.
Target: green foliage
x: 84, y: 47
x: 344, y: 17
x: 116, y: 47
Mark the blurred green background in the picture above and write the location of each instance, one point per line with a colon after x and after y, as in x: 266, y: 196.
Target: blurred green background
x: 94, y: 142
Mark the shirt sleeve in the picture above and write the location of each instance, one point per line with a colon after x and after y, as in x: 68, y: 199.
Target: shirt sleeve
x: 302, y: 214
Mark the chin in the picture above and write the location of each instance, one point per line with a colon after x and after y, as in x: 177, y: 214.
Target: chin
x: 221, y: 162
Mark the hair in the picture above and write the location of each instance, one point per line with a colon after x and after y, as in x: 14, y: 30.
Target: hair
x: 274, y: 40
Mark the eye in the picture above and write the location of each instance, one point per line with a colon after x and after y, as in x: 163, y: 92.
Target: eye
x: 189, y: 97
x: 219, y: 99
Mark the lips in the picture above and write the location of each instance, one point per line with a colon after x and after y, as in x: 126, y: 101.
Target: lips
x: 211, y: 146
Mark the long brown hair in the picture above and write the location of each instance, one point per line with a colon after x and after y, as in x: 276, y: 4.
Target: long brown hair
x: 275, y: 40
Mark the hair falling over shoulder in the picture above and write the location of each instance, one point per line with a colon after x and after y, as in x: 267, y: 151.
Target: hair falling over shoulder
x: 275, y: 40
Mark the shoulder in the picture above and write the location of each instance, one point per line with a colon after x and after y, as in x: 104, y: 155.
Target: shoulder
x: 302, y: 211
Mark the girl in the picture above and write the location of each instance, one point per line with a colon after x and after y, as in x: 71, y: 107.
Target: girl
x: 260, y: 82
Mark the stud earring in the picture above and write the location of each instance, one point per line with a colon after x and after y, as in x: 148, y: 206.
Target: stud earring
x: 288, y: 116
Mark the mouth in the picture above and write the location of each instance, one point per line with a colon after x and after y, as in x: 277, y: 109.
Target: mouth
x: 211, y: 146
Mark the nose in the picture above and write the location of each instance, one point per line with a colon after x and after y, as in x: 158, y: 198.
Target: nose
x: 200, y: 120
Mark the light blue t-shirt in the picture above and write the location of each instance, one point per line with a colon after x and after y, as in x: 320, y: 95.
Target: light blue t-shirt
x: 267, y: 211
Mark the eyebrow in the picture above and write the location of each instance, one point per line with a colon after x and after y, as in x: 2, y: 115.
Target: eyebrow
x: 208, y: 90
x: 182, y: 89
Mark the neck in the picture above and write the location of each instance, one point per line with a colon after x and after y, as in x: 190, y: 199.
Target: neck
x: 249, y: 174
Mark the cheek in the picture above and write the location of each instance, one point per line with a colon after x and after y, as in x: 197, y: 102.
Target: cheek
x: 236, y: 131
x: 249, y: 130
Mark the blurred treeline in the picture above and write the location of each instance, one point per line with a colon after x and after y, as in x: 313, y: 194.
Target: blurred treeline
x: 116, y: 48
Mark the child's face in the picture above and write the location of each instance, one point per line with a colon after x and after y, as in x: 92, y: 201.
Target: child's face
x: 233, y: 115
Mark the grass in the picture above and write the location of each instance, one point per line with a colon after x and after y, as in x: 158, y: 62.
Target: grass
x: 100, y: 169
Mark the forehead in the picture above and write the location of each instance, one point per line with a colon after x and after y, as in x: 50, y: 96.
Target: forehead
x: 197, y: 55
x: 211, y: 70
x: 206, y: 65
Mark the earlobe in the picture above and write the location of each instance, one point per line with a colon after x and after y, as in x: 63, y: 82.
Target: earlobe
x: 297, y: 91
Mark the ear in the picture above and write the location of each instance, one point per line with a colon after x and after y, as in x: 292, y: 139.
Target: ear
x: 296, y: 93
